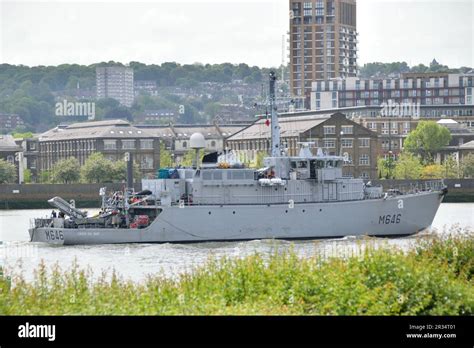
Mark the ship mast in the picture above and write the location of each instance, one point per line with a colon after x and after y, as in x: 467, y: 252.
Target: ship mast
x: 275, y: 126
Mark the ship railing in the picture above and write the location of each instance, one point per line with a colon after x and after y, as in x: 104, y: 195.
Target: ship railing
x: 41, y: 222
x: 417, y: 187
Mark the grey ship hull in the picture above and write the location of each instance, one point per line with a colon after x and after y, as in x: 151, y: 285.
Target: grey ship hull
x: 401, y: 215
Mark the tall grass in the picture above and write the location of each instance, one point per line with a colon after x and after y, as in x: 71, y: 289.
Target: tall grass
x: 434, y: 278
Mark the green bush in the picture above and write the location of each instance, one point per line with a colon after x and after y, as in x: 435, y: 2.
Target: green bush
x: 433, y: 278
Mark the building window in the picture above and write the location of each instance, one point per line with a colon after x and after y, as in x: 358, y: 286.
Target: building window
x: 364, y: 160
x: 330, y: 143
x: 185, y: 144
x: 364, y: 142
x: 110, y: 144
x: 346, y: 143
x: 329, y: 130
x: 147, y: 162
x: 347, y: 129
x: 364, y: 175
x: 146, y: 144
x: 372, y: 125
x: 128, y: 144
x: 406, y: 127
x: 213, y: 143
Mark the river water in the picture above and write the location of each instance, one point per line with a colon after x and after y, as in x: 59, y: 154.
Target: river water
x: 136, y: 261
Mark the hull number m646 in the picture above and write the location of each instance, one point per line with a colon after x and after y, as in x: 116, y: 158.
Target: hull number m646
x: 390, y: 219
x: 54, y: 235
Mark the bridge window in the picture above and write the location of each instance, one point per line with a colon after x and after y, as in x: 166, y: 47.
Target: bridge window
x: 302, y: 164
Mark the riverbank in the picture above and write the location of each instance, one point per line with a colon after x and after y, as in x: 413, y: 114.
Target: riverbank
x: 433, y: 278
x: 35, y: 196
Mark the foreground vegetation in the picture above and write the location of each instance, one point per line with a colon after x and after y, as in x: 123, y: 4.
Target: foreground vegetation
x: 433, y: 278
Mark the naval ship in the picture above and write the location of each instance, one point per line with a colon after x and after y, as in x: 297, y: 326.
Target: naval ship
x: 218, y: 199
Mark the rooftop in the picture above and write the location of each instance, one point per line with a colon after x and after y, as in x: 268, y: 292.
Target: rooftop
x: 8, y: 144
x: 185, y: 131
x: 468, y: 146
x: 291, y: 126
x: 98, y: 129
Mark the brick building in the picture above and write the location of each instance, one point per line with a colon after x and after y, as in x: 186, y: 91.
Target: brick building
x: 333, y: 133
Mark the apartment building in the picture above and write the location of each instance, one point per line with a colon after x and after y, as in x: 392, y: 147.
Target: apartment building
x: 408, y: 91
x: 322, y: 43
x: 115, y: 82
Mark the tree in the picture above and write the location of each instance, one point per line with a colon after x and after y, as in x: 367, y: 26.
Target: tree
x: 165, y: 156
x: 385, y: 167
x: 467, y: 166
x: 189, y: 157
x: 432, y: 171
x: 27, y: 176
x: 427, y: 139
x: 107, y: 103
x: 408, y: 167
x: 119, y: 171
x: 66, y: 171
x: 451, y: 168
x: 97, y: 169
x: 7, y: 172
x: 26, y: 135
x: 44, y: 177
x: 212, y: 110
x: 120, y: 112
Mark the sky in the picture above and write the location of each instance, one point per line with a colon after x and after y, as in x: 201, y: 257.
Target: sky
x: 54, y: 32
